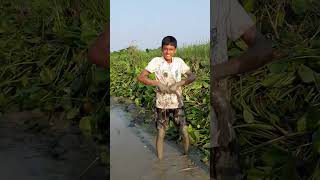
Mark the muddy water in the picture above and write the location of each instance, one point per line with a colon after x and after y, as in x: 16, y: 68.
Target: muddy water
x: 31, y: 149
x: 133, y: 154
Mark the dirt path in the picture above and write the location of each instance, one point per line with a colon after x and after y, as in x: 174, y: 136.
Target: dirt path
x: 31, y: 149
x: 133, y: 153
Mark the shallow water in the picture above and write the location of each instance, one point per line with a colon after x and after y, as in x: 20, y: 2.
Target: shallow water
x: 133, y: 155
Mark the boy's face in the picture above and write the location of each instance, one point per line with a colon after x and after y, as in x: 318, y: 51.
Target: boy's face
x: 168, y: 52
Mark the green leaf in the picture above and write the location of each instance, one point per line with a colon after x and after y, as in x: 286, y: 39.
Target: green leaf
x: 299, y: 6
x: 72, y: 113
x: 302, y: 123
x: 34, y: 40
x: 204, y: 100
x: 24, y: 81
x: 47, y: 75
x: 137, y: 101
x: 152, y: 76
x: 205, y: 84
x: 187, y: 98
x: 242, y: 45
x: 76, y: 84
x: 197, y: 85
x: 234, y: 52
x: 100, y: 76
x: 88, y: 32
x: 85, y: 125
x: 271, y: 79
x: 306, y: 74
x: 255, y: 174
x: 35, y: 97
x: 207, y: 145
x: 247, y: 115
x: 196, y: 135
x: 192, y: 139
x: 249, y: 5
x: 280, y: 18
x: 192, y: 136
x: 273, y: 117
x: 278, y: 67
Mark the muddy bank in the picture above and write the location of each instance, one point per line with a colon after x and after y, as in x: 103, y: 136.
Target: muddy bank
x: 133, y: 154
x: 32, y: 147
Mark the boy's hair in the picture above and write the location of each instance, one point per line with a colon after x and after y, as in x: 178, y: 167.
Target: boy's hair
x: 169, y: 40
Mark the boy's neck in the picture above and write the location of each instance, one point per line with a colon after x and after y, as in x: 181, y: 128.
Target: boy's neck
x: 168, y: 61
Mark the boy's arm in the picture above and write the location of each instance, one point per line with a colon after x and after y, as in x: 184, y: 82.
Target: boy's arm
x: 98, y: 53
x: 143, y: 78
x: 190, y: 78
x: 259, y: 53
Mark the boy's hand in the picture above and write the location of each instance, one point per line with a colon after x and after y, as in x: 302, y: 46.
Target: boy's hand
x: 174, y: 87
x: 163, y: 88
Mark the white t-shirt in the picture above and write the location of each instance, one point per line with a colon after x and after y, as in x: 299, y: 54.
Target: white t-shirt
x: 228, y: 19
x: 168, y: 74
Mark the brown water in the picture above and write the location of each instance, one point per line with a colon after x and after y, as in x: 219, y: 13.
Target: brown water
x: 31, y: 149
x: 133, y: 155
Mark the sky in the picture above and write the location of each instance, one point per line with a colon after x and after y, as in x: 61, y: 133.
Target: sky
x: 144, y: 23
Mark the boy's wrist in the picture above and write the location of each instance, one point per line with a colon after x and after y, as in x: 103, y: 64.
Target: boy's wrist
x: 157, y: 83
x: 181, y: 83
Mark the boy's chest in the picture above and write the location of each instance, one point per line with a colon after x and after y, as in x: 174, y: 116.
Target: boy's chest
x: 166, y: 70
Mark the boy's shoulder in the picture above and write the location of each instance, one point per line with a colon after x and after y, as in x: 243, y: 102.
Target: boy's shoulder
x: 155, y: 61
x: 161, y: 59
x: 178, y: 59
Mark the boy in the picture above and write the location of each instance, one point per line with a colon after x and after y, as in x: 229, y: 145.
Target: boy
x: 168, y: 70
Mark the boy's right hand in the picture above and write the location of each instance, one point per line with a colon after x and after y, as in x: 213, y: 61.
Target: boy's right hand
x: 163, y: 88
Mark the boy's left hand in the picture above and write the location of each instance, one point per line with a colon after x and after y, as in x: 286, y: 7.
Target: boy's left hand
x: 174, y: 87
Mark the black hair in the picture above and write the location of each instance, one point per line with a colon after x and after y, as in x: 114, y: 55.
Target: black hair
x: 169, y: 40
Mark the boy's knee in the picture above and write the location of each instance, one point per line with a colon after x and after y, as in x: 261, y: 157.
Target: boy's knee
x: 161, y: 133
x: 184, y: 130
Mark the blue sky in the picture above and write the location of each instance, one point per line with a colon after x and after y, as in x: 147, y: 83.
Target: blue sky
x: 145, y: 22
